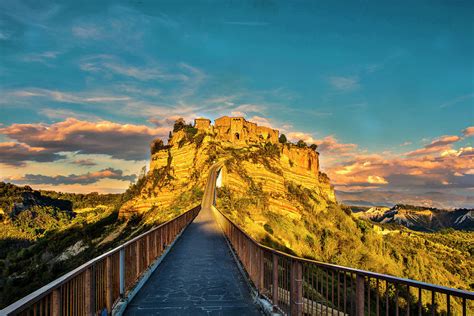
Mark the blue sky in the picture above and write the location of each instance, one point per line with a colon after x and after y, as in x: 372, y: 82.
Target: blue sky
x: 387, y: 76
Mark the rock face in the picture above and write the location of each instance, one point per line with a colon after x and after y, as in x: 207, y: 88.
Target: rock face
x: 179, y: 170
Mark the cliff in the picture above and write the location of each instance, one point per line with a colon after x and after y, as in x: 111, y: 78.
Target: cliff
x: 178, y: 171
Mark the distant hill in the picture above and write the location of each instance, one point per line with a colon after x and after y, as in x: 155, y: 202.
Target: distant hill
x: 439, y: 199
x: 419, y: 218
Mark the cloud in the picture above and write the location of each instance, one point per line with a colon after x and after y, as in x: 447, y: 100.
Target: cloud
x: 87, y: 32
x: 16, y: 154
x: 246, y: 23
x: 435, y: 169
x: 83, y: 179
x: 467, y: 132
x: 261, y: 121
x: 457, y: 100
x: 55, y: 113
x: 167, y: 121
x: 107, y: 64
x: 122, y: 141
x: 44, y: 57
x: 84, y: 162
x: 376, y: 180
x: 436, y: 146
x: 344, y: 83
x: 4, y: 35
x: 66, y: 97
x: 296, y: 136
x: 331, y: 146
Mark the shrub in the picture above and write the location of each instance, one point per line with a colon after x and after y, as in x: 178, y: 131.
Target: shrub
x: 179, y: 124
x: 156, y: 145
x: 301, y: 144
x: 282, y: 139
x: 268, y: 228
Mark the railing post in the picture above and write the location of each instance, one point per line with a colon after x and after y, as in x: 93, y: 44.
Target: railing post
x: 275, y: 280
x: 109, y: 285
x: 148, y: 252
x: 261, y: 274
x: 56, y: 303
x: 122, y: 271
x: 296, y: 294
x: 360, y: 295
x: 89, y: 292
x: 137, y: 257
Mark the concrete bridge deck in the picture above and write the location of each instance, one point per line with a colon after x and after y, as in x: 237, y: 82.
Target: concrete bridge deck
x: 199, y: 276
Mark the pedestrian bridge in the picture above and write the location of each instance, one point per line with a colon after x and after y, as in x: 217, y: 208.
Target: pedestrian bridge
x: 201, y: 263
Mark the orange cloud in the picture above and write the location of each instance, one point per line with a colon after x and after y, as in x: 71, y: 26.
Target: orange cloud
x: 436, y: 146
x: 468, y: 131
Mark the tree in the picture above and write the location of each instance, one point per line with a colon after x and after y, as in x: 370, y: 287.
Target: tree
x: 282, y: 139
x: 179, y: 124
x: 156, y: 145
x: 313, y: 147
x: 170, y: 135
x: 301, y: 144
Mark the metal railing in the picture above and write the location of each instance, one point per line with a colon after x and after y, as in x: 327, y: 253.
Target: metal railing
x: 298, y: 286
x: 100, y: 283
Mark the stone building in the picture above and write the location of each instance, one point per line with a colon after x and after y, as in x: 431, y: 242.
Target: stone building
x: 238, y: 130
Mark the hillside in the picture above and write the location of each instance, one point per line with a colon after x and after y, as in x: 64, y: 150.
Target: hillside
x: 277, y: 193
x: 44, y: 234
x: 420, y: 218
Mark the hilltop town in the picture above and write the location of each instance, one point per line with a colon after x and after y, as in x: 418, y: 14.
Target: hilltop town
x: 237, y: 130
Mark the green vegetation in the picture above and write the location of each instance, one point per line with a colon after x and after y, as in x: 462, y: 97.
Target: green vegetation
x: 282, y: 139
x: 156, y: 145
x: 301, y: 144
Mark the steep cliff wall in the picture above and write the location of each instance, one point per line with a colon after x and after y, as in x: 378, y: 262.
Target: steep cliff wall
x: 178, y: 173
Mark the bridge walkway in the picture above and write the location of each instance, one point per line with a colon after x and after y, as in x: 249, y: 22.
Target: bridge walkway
x: 199, y: 276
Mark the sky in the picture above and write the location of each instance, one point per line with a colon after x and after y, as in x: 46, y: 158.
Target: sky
x: 385, y: 88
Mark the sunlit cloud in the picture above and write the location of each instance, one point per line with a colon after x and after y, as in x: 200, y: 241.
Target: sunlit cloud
x: 436, y: 145
x: 468, y: 131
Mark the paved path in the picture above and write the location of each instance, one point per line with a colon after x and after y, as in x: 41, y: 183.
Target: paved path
x: 198, y: 276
